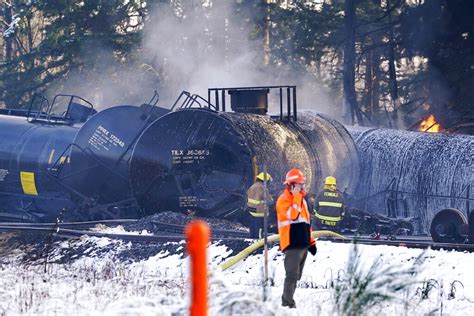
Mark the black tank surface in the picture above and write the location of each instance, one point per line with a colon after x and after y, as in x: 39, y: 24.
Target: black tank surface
x: 204, y: 161
x: 99, y: 162
x: 27, y: 153
x: 414, y: 175
x: 191, y: 159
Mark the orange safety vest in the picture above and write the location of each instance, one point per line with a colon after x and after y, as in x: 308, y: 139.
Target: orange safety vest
x: 293, y: 220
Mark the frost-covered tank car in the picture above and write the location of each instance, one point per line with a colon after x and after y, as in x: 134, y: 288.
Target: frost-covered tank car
x: 426, y: 177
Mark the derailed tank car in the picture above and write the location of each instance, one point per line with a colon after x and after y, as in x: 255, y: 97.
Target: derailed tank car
x: 426, y: 177
x: 204, y: 160
x: 76, y: 160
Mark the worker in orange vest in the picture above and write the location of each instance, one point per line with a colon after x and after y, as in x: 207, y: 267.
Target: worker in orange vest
x: 295, y: 232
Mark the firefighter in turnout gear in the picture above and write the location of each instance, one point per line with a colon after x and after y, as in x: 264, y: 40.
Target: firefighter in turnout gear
x: 294, y: 228
x: 256, y: 205
x: 329, y: 206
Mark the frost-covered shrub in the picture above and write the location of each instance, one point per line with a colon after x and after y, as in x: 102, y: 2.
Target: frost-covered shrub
x: 365, y: 285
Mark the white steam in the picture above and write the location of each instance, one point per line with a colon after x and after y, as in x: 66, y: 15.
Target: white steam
x: 205, y: 47
x: 189, y: 47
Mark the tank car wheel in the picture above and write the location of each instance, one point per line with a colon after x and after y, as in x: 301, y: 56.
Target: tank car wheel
x: 447, y: 225
x: 471, y: 227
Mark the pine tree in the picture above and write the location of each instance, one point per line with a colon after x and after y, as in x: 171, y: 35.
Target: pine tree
x: 53, y: 38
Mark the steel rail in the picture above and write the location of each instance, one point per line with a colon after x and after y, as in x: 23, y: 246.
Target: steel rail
x: 214, y: 231
x: 74, y: 233
x: 421, y: 242
x: 176, y: 227
x: 408, y: 243
x: 110, y: 221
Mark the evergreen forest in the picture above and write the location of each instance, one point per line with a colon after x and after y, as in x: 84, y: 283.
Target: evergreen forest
x: 383, y: 63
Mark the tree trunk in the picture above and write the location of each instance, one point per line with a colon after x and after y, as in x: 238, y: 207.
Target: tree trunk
x: 29, y: 33
x: 8, y: 39
x: 393, y: 85
x: 376, y: 77
x: 369, y: 84
x: 349, y: 62
x: 266, y: 49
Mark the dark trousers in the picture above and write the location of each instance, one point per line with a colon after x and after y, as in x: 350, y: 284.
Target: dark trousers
x: 256, y: 227
x: 294, y: 264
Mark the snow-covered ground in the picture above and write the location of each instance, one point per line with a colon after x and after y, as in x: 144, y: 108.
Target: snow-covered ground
x: 98, y: 283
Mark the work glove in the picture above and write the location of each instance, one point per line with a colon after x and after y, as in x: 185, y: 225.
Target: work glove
x: 312, y: 249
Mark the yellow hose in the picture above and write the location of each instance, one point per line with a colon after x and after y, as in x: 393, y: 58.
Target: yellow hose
x: 273, y: 238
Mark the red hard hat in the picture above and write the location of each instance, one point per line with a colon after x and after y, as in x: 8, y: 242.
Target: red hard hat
x: 294, y: 175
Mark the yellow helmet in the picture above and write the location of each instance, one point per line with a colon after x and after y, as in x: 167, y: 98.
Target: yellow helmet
x: 261, y: 176
x: 330, y: 180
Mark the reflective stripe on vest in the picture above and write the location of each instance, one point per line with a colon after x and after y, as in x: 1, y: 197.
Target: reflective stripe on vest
x: 257, y: 214
x: 330, y: 204
x: 288, y: 212
x: 257, y: 202
x: 328, y: 223
x: 296, y: 221
x: 327, y: 218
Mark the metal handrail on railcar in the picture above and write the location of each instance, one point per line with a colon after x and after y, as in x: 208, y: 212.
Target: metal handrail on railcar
x: 216, y: 100
x: 45, y: 109
x: 218, y: 95
x: 192, y: 101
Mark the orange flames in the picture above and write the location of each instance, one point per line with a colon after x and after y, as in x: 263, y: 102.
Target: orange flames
x: 430, y: 125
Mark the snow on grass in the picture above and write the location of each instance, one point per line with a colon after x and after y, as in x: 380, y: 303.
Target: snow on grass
x: 98, y: 283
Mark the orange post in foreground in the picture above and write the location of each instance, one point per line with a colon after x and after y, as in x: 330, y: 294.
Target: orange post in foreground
x: 197, y: 236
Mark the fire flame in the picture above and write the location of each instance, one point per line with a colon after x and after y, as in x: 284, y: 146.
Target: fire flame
x: 430, y: 125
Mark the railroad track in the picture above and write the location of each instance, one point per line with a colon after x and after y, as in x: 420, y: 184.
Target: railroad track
x: 70, y: 224
x: 174, y: 232
x: 408, y: 242
x: 177, y: 228
x: 168, y: 232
